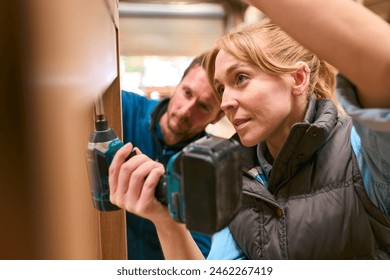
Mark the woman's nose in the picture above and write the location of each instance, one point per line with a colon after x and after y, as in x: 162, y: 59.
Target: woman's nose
x: 228, y: 102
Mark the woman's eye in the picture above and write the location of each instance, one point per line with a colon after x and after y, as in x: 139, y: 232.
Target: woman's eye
x: 220, y: 89
x: 240, y: 78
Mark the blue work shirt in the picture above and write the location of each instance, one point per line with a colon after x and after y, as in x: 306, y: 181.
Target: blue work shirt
x: 370, y: 140
x: 140, y: 127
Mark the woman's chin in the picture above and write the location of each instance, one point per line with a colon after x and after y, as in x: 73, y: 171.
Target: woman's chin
x: 247, y: 141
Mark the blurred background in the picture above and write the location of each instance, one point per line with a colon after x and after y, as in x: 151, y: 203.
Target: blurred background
x: 57, y: 57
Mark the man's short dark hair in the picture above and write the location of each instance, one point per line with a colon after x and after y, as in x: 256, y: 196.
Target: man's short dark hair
x: 197, y: 61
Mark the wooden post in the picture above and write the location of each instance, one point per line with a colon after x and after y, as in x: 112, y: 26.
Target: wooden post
x: 67, y: 51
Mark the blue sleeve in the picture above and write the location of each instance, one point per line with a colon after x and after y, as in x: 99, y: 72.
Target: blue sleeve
x: 136, y: 111
x: 203, y: 241
x: 370, y: 139
x: 224, y: 247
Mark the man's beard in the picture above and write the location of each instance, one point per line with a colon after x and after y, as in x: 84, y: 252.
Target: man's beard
x: 183, y: 123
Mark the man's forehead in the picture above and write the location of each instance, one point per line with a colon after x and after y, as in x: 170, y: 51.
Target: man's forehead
x: 196, y: 79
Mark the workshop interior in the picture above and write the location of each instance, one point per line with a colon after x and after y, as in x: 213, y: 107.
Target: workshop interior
x: 60, y: 57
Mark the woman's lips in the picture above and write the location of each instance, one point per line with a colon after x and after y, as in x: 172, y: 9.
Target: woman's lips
x: 238, y: 123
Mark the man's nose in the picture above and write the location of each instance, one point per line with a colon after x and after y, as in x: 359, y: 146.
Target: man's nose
x: 186, y: 110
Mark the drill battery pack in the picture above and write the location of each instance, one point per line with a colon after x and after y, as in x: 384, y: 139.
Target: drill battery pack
x: 204, y: 189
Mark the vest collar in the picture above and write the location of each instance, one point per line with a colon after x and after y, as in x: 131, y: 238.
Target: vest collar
x: 305, y: 139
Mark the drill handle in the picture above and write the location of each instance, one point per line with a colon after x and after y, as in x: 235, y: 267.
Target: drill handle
x: 161, y: 189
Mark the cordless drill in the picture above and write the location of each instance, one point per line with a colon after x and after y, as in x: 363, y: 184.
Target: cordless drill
x: 201, y: 187
x: 102, y: 146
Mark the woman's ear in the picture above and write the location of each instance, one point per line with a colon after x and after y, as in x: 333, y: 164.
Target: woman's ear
x: 301, y: 79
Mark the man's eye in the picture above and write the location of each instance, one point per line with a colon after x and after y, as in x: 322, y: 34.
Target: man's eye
x: 204, y: 107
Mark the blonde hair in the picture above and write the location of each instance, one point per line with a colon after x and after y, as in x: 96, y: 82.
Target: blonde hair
x: 268, y: 47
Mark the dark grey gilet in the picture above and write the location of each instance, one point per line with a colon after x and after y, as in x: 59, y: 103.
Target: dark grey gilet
x: 315, y: 206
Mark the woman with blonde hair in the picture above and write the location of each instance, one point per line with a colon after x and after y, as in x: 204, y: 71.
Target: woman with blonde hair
x: 316, y: 181
x: 304, y: 196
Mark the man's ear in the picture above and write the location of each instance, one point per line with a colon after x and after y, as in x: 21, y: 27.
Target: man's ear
x: 301, y: 79
x: 220, y: 115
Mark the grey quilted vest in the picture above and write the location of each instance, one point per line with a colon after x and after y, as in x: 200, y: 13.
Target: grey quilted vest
x: 315, y: 206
